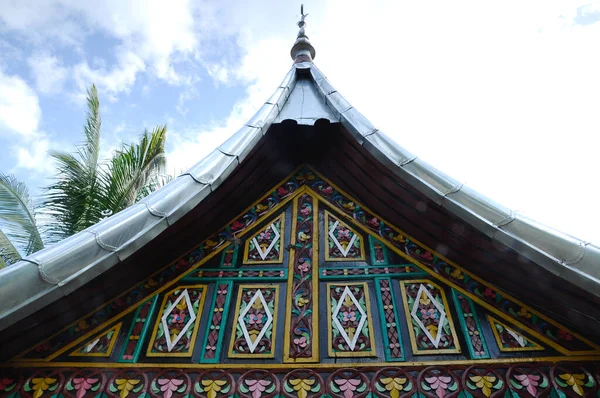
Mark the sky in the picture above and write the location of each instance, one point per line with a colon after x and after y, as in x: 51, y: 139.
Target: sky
x: 504, y: 96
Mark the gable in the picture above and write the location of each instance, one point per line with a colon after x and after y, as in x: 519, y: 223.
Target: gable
x: 306, y: 277
x: 347, y: 226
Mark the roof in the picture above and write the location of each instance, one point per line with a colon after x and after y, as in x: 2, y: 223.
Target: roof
x: 304, y: 96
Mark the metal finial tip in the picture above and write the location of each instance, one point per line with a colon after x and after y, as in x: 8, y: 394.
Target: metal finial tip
x: 302, y: 14
x: 302, y: 48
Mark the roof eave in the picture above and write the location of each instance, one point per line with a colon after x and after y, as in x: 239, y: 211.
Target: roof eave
x: 54, y: 272
x: 563, y: 255
x: 45, y: 276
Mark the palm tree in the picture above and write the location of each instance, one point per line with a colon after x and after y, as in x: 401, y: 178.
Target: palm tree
x: 85, y: 189
x: 17, y: 220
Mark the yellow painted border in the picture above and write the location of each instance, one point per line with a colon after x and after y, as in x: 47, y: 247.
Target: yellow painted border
x: 111, y: 344
x: 327, y: 238
x: 279, y: 260
x: 237, y: 314
x: 126, y: 311
x: 315, y: 282
x: 476, y: 299
x: 351, y: 354
x: 157, y: 323
x: 409, y: 319
x: 493, y: 321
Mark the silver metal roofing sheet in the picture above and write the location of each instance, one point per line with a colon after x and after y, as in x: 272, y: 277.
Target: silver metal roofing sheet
x: 386, y: 150
x: 55, y: 271
x: 568, y: 257
x: 181, y: 192
x: 213, y: 168
x: 304, y: 105
x: 49, y: 274
x: 241, y: 143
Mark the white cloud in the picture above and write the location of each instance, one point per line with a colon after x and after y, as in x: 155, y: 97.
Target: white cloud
x: 192, y: 144
x: 219, y: 73
x: 20, y: 118
x: 110, y: 82
x: 185, y: 96
x: 152, y: 36
x: 41, y: 21
x: 48, y: 72
x: 20, y: 112
x: 34, y: 156
x: 501, y: 97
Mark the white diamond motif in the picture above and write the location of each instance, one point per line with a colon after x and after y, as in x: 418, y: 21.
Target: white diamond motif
x: 264, y: 254
x: 91, y: 346
x: 252, y: 344
x: 183, y: 296
x: 363, y: 318
x: 434, y: 340
x: 520, y: 339
x: 337, y: 242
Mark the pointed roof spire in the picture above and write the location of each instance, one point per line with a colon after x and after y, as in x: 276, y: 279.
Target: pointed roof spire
x: 302, y: 51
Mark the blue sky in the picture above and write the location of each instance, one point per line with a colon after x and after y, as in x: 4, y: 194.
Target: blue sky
x: 502, y: 96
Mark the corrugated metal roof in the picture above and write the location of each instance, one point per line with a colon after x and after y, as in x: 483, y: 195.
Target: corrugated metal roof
x: 305, y: 95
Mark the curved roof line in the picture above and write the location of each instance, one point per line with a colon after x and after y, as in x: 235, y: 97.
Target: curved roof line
x: 305, y: 95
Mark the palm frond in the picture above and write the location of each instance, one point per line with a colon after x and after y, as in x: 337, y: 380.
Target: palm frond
x: 154, y: 184
x: 8, y: 252
x: 17, y: 216
x: 133, y: 167
x: 72, y: 200
x: 91, y: 149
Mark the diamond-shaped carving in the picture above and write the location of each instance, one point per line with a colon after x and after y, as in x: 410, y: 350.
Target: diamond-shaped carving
x: 426, y: 307
x: 177, y: 319
x: 266, y: 245
x: 101, y: 345
x: 346, y: 240
x: 266, y: 240
x: 343, y: 243
x: 251, y: 320
x: 349, y: 317
x: 510, y: 339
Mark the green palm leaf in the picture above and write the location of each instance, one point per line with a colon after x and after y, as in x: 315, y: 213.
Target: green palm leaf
x: 8, y: 253
x: 73, y: 199
x: 154, y: 184
x: 85, y: 191
x: 17, y: 217
x: 135, y: 169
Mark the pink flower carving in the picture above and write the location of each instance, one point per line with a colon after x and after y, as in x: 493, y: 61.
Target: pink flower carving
x: 348, y: 386
x: 429, y: 313
x: 82, y: 385
x: 530, y: 382
x: 168, y: 386
x: 305, y: 211
x: 257, y: 387
x: 255, y: 319
x: 349, y: 316
x: 374, y: 222
x: 439, y: 384
x: 327, y: 191
x: 177, y: 318
x: 303, y: 267
x: 266, y: 235
x: 301, y: 342
x: 344, y: 234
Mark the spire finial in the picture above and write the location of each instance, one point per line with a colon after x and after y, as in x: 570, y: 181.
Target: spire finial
x: 302, y: 50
